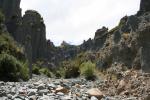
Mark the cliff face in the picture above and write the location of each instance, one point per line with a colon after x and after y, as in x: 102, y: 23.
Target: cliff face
x: 128, y: 44
x: 28, y: 30
x: 33, y: 30
x: 12, y: 12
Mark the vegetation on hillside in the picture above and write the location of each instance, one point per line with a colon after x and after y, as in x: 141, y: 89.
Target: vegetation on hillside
x: 38, y: 69
x: 13, y: 63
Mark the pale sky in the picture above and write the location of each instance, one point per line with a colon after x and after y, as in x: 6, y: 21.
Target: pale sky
x: 77, y: 20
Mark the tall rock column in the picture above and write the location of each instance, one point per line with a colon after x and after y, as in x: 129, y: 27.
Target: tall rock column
x: 34, y: 27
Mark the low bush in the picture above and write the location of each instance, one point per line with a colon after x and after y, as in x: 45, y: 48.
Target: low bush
x: 36, y: 70
x: 45, y: 71
x: 87, y: 70
x: 24, y: 72
x: 69, y: 69
x: 11, y: 69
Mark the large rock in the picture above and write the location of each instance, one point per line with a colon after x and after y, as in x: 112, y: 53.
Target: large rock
x: 33, y: 26
x: 100, y: 37
x: 95, y: 92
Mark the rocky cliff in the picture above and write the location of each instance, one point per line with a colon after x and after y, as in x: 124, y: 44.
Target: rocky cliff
x: 32, y: 30
x: 12, y: 12
x: 28, y: 30
x: 125, y: 45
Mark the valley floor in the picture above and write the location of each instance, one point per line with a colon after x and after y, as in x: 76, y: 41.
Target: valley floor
x: 133, y: 86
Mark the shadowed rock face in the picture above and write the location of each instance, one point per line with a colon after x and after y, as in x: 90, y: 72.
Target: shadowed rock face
x: 145, y: 5
x: 144, y: 41
x: 12, y: 12
x: 10, y: 8
x: 100, y: 37
x: 27, y: 29
x: 34, y: 27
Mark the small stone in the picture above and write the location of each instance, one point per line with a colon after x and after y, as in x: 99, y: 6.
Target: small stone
x: 30, y: 85
x: 37, y: 83
x: 67, y: 98
x: 44, y: 98
x: 31, y: 93
x: 84, y: 98
x: 2, y: 93
x: 2, y: 83
x: 51, y: 86
x: 3, y: 98
x: 33, y: 97
x: 93, y: 98
x: 9, y: 96
x: 51, y: 94
x: 60, y: 94
x: 23, y: 91
x: 77, y: 86
x: 44, y: 91
x: 121, y: 86
x: 61, y: 89
x: 41, y: 86
x: 95, y: 92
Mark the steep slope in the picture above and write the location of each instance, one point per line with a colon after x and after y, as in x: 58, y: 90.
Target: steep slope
x: 125, y: 45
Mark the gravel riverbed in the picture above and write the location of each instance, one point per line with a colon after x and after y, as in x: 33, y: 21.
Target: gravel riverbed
x: 44, y: 88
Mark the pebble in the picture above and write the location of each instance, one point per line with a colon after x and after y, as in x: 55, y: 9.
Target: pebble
x: 93, y: 98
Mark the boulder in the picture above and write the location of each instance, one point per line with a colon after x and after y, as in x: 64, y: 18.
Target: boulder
x: 95, y: 92
x: 121, y: 86
x: 61, y: 89
x: 100, y: 37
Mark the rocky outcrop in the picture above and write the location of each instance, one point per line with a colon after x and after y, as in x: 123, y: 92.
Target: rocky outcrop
x: 33, y: 28
x: 125, y: 45
x: 28, y: 30
x: 97, y: 42
x: 87, y: 45
x: 100, y: 37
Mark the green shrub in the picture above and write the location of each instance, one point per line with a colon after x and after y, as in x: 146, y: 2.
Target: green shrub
x: 36, y: 70
x: 70, y: 69
x: 60, y: 73
x: 24, y: 72
x: 9, y: 46
x: 45, y: 71
x: 87, y: 70
x: 11, y: 69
